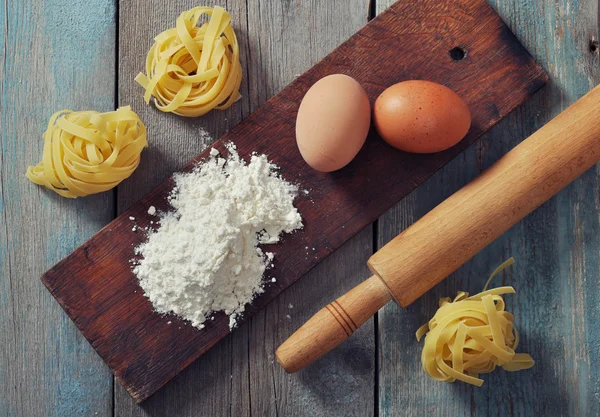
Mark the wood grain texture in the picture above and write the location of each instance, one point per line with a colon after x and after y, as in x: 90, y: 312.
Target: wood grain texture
x: 138, y: 345
x: 280, y: 50
x: 342, y: 384
x: 56, y: 55
x: 216, y: 385
x: 238, y: 377
x: 46, y: 368
x: 556, y: 249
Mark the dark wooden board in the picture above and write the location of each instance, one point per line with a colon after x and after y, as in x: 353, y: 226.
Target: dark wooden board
x: 411, y: 40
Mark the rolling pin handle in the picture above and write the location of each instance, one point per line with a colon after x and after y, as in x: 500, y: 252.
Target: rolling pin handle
x: 333, y: 324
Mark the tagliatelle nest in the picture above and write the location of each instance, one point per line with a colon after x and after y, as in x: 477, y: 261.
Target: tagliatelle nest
x: 192, y: 70
x: 472, y: 335
x: 87, y: 152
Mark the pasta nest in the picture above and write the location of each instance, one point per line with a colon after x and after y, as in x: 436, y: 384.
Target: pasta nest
x: 191, y: 70
x: 472, y: 335
x: 88, y: 152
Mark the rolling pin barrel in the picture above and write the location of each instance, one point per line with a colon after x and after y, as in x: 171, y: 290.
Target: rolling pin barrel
x: 461, y: 226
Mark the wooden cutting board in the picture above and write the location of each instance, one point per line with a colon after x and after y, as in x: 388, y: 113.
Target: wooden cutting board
x: 414, y: 39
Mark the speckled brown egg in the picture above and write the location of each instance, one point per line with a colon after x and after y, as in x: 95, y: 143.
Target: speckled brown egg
x: 333, y: 122
x: 421, y: 116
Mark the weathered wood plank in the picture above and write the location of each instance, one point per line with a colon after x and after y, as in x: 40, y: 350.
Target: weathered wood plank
x: 343, y: 384
x: 340, y: 384
x: 238, y: 376
x: 564, y: 325
x: 556, y: 249
x: 56, y: 55
x: 215, y: 385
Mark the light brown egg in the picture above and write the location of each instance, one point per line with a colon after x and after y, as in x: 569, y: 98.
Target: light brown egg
x: 421, y: 116
x: 333, y: 122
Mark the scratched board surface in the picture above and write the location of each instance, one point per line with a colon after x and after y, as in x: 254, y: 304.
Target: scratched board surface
x: 64, y: 377
x: 101, y: 293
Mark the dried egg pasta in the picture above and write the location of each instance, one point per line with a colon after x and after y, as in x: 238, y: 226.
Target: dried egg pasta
x: 191, y: 70
x: 87, y: 152
x: 472, y: 335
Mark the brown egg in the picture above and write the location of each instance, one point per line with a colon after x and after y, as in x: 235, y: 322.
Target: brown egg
x: 333, y: 122
x: 421, y: 116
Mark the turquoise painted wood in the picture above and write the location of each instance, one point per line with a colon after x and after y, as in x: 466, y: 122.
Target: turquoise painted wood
x: 556, y: 251
x: 56, y: 54
x: 60, y: 54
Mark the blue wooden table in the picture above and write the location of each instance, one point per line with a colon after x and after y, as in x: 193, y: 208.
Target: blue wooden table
x: 83, y: 55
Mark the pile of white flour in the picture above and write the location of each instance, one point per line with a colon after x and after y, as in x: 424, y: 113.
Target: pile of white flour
x: 204, y: 257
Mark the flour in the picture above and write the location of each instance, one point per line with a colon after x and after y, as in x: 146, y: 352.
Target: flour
x: 204, y: 257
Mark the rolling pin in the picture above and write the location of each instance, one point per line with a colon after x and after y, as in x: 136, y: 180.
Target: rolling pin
x: 457, y: 229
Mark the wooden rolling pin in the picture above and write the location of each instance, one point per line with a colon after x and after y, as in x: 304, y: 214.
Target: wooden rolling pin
x: 457, y: 229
